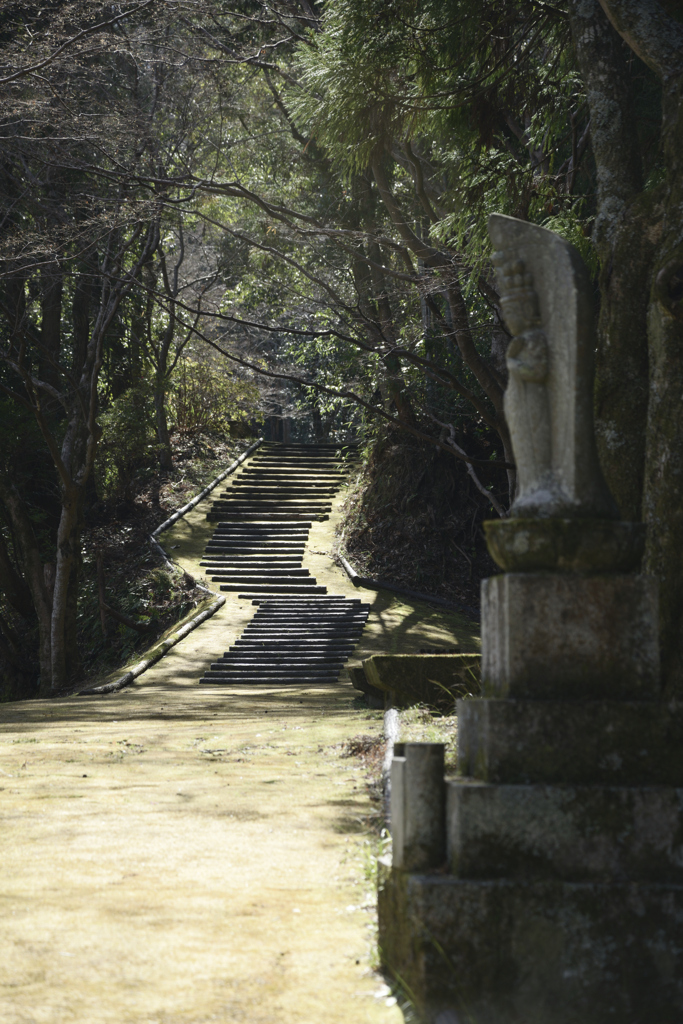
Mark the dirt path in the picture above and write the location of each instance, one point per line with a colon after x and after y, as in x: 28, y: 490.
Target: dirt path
x: 173, y: 859
x: 181, y: 855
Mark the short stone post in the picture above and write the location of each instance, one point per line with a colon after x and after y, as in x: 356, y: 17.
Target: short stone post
x: 418, y: 822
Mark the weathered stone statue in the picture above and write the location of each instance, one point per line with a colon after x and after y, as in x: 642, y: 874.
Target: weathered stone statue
x: 560, y: 900
x: 547, y: 305
x: 546, y: 296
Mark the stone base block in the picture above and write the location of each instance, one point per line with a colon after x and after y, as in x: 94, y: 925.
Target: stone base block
x: 555, y: 635
x: 499, y: 952
x: 572, y: 833
x: 374, y: 698
x: 603, y: 742
x: 434, y: 679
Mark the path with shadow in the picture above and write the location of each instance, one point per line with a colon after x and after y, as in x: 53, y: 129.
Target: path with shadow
x: 179, y: 853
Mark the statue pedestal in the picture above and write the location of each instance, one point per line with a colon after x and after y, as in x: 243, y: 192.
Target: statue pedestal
x: 550, y: 635
x: 561, y: 900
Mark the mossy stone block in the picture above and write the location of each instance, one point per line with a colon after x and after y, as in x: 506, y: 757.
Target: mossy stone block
x: 565, y: 545
x: 566, y: 636
x: 542, y: 952
x: 433, y: 679
x: 572, y: 833
x: 605, y: 742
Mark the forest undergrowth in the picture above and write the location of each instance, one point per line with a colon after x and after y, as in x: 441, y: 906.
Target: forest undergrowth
x: 136, y: 582
x: 135, y: 579
x: 414, y: 518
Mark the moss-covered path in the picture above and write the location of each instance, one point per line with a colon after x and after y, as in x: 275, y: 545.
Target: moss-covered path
x: 185, y: 854
x: 172, y: 857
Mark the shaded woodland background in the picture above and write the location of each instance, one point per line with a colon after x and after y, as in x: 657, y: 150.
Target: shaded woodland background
x: 226, y: 218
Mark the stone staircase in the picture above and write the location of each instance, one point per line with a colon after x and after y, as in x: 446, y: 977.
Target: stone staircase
x: 282, y: 481
x: 264, y: 518
x: 293, y: 641
x: 299, y: 634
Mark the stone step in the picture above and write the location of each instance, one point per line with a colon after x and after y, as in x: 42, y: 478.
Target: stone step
x: 291, y: 478
x: 274, y: 646
x: 288, y: 494
x: 255, y: 589
x: 267, y: 554
x: 336, y: 599
x: 322, y: 664
x: 269, y: 529
x: 246, y: 575
x: 300, y: 680
x: 258, y: 579
x: 280, y: 666
x: 218, y: 547
x: 331, y: 599
x: 254, y: 526
x: 323, y: 633
x: 273, y: 505
x: 273, y: 490
x: 285, y: 483
x: 330, y: 620
x: 250, y: 542
x: 222, y: 515
x: 264, y: 562
x: 265, y: 543
x: 306, y: 466
x: 315, y: 645
x: 323, y: 618
x: 275, y: 671
x: 294, y: 603
x: 213, y: 517
x: 272, y: 675
x: 343, y: 633
x: 235, y: 531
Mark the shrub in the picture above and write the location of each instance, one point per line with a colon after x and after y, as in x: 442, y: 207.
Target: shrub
x: 128, y: 441
x: 203, y: 399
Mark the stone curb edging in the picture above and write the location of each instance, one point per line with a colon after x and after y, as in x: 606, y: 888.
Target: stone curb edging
x: 179, y: 513
x: 371, y: 584
x: 161, y: 649
x: 207, y: 490
x: 157, y: 652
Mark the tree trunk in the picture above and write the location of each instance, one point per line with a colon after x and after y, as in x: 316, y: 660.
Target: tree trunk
x: 663, y: 494
x: 624, y: 236
x: 51, y: 281
x: 67, y: 554
x: 161, y: 419
x: 657, y: 39
x: 34, y: 575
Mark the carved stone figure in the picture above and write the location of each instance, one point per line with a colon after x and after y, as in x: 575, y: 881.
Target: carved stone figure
x: 547, y: 305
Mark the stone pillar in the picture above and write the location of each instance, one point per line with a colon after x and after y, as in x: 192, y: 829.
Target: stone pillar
x: 418, y: 798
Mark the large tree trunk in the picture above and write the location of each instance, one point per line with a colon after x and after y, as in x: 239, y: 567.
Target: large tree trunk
x: 34, y: 574
x: 657, y: 39
x: 663, y: 495
x: 625, y: 235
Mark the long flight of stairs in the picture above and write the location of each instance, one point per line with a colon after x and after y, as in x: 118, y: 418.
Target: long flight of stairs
x: 264, y: 518
x: 299, y: 634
